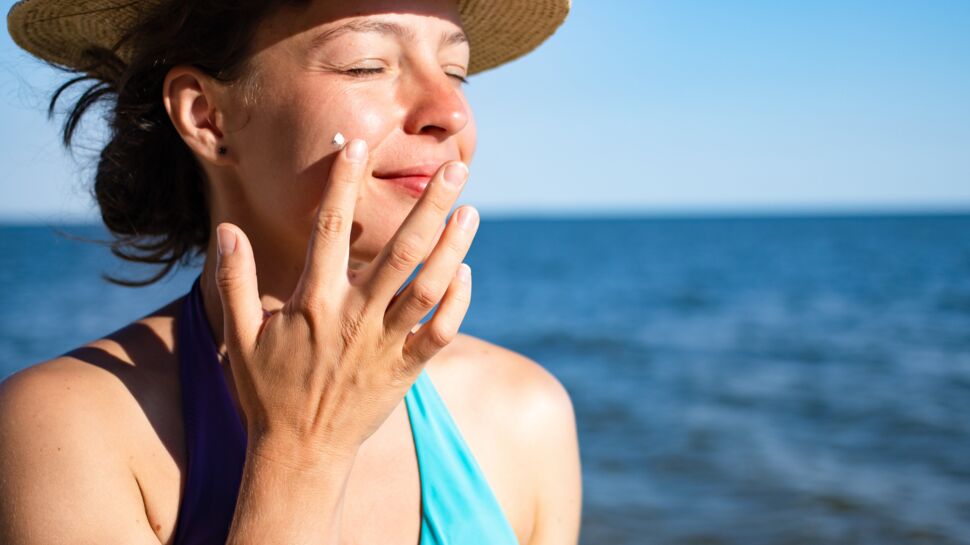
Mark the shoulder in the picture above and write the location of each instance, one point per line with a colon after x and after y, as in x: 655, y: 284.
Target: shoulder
x: 64, y: 456
x: 61, y: 394
x: 104, y: 389
x: 97, y: 377
x: 534, y: 415
x: 49, y: 414
x: 91, y: 391
x: 529, y: 393
x: 71, y: 429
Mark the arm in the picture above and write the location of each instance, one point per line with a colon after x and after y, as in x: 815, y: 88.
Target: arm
x: 283, y: 502
x: 65, y: 475
x: 558, y: 485
x: 559, y: 479
x: 63, y: 478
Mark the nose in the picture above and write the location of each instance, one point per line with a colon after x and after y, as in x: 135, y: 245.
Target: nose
x: 436, y: 106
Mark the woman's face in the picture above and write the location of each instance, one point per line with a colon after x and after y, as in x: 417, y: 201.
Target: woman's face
x: 388, y: 72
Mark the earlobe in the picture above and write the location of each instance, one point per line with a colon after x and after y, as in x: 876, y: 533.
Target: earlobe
x: 188, y: 95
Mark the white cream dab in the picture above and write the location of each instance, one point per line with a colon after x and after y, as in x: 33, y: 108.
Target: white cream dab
x: 339, y: 140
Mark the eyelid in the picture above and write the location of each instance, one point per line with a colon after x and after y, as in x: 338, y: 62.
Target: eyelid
x: 462, y: 73
x: 364, y: 71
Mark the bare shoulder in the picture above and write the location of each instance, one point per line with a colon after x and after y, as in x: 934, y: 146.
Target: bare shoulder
x: 70, y: 430
x: 530, y: 394
x: 99, y: 380
x: 106, y: 389
x: 90, y: 385
x: 56, y: 416
x: 503, y: 392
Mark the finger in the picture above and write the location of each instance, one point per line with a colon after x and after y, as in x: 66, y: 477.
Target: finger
x: 442, y: 328
x: 328, y: 252
x: 242, y: 312
x: 400, y: 291
x: 428, y: 287
x: 409, y: 245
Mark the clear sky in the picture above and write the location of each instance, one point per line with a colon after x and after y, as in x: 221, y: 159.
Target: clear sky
x: 661, y: 107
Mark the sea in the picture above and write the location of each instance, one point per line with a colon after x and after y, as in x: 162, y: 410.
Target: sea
x: 780, y: 380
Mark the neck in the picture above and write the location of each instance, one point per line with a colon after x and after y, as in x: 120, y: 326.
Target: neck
x: 276, y: 285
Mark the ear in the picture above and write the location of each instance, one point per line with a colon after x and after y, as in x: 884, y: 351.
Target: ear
x: 191, y: 98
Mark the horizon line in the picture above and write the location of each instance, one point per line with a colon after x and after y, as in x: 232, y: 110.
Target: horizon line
x: 498, y: 213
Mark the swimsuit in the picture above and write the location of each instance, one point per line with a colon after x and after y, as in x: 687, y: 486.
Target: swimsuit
x: 457, y: 504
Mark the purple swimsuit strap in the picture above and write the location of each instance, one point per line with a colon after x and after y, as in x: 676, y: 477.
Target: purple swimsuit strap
x: 214, y: 436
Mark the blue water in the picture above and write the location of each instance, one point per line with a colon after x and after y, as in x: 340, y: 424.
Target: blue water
x: 801, y: 380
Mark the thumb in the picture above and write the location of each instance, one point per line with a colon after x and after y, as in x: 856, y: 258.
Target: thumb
x: 242, y: 312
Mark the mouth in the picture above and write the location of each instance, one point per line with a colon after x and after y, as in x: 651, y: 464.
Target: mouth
x: 412, y: 180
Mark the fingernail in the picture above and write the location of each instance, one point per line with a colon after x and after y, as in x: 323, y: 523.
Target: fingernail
x: 225, y: 241
x: 466, y: 217
x: 455, y: 174
x: 356, y: 150
x: 464, y: 272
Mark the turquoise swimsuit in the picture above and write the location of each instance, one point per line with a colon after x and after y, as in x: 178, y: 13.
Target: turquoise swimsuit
x: 457, y: 505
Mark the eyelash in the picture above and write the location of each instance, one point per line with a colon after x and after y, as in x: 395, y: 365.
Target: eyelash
x: 360, y: 72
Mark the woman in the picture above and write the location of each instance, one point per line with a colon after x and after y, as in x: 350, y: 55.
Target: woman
x: 302, y: 406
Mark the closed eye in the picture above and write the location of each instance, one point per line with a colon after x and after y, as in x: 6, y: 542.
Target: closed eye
x: 361, y: 72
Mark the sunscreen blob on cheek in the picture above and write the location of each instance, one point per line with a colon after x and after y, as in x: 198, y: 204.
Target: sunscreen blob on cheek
x: 338, y: 140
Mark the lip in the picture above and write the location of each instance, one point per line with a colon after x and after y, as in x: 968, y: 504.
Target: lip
x: 413, y: 179
x: 415, y: 185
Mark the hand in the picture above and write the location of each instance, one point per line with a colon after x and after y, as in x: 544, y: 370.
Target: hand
x: 322, y: 374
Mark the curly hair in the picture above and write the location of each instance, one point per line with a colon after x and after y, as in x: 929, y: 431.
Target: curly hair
x: 149, y: 187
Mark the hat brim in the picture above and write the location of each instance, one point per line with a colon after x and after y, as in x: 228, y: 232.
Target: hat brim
x: 59, y: 32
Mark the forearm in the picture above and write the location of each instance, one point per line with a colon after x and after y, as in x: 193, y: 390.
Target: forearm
x: 290, y: 503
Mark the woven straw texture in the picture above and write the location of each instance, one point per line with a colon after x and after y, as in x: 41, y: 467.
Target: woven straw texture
x: 59, y: 30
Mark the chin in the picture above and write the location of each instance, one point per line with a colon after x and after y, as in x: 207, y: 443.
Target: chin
x: 375, y: 235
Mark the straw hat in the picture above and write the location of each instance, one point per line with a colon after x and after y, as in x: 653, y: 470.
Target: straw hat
x: 59, y: 30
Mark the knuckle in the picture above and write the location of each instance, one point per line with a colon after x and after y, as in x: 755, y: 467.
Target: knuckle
x: 309, y: 316
x: 311, y: 297
x: 439, y: 204
x: 424, y: 294
x: 411, y: 359
x: 404, y: 367
x: 404, y: 255
x: 227, y: 278
x: 455, y: 246
x: 440, y: 336
x: 352, y: 327
x: 330, y: 224
x: 461, y: 296
x: 348, y: 177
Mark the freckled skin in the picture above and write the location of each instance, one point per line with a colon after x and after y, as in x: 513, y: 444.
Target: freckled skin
x: 411, y: 114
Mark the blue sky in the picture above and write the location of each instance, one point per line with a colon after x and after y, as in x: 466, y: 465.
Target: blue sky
x: 661, y: 107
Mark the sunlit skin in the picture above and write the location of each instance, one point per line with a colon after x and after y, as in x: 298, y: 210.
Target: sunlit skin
x: 412, y: 112
x: 400, y: 90
x: 277, y: 131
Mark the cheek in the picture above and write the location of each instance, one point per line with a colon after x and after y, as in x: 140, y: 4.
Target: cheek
x: 294, y: 161
x: 468, y: 140
x: 311, y: 122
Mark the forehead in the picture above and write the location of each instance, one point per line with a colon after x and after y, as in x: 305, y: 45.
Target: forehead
x: 381, y: 25
x: 316, y: 21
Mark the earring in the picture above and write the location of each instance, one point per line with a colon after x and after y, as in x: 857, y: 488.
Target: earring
x: 222, y: 150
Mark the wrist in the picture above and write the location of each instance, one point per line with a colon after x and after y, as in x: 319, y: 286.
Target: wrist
x: 287, y: 454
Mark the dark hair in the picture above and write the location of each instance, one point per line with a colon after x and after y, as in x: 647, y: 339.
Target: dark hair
x: 148, y: 185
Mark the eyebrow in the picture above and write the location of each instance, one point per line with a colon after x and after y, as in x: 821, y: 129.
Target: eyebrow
x: 381, y: 27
